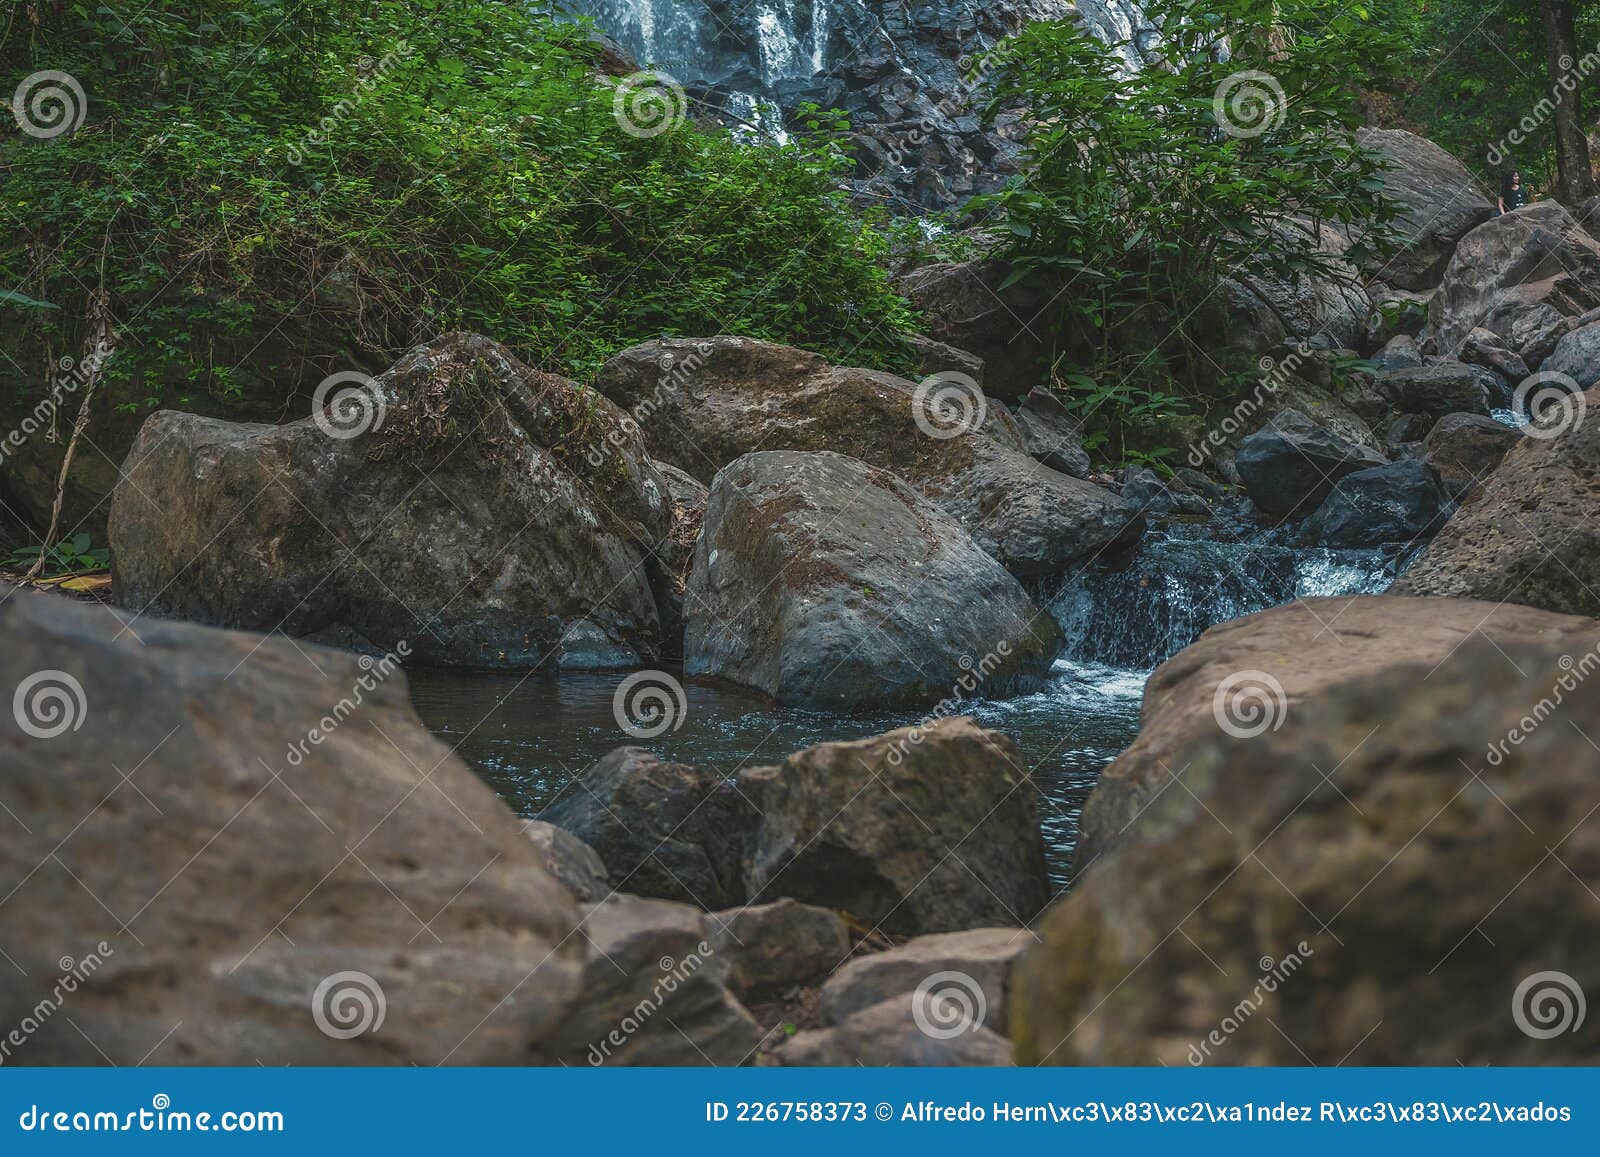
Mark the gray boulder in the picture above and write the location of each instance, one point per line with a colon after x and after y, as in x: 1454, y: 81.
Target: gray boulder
x: 1464, y: 448
x: 978, y: 964
x: 1051, y: 434
x: 930, y: 829
x: 964, y: 305
x: 1290, y: 464
x: 1398, y: 502
x: 523, y: 536
x: 1399, y: 354
x: 569, y: 860
x: 771, y: 948
x: 825, y: 582
x: 1483, y: 348
x: 665, y: 830
x: 253, y: 853
x: 1435, y: 390
x: 1577, y: 355
x: 1439, y: 204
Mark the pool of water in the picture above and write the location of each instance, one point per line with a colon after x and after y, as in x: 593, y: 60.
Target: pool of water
x: 529, y: 737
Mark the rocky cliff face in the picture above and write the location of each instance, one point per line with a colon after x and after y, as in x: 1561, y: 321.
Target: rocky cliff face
x: 900, y: 70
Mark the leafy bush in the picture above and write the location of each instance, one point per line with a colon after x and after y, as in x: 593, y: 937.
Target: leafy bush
x: 1145, y: 189
x: 373, y: 172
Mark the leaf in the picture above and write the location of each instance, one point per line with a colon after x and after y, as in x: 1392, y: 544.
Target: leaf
x: 16, y: 297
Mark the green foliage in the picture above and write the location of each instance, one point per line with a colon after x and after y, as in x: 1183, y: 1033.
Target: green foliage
x: 72, y: 556
x: 373, y: 172
x: 1145, y: 189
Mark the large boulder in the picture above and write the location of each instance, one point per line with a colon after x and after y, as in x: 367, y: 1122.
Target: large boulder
x: 770, y: 949
x: 701, y: 404
x: 899, y: 1032
x: 1290, y: 464
x: 1465, y: 448
x: 1387, y: 858
x: 1434, y: 391
x: 1051, y: 434
x: 1520, y: 276
x: 931, y: 829
x: 1577, y: 356
x: 666, y: 830
x: 1259, y: 309
x: 1400, y: 502
x: 495, y: 517
x: 1439, y: 204
x: 825, y: 582
x: 252, y: 853
x: 972, y: 967
x: 1530, y: 533
x: 967, y: 304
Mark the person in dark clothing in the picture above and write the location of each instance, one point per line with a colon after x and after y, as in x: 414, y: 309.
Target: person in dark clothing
x: 1513, y: 193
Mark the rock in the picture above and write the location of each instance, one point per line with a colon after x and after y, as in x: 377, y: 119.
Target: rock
x: 1051, y: 434
x: 727, y: 397
x: 1519, y: 276
x: 1464, y: 448
x: 569, y: 860
x: 1483, y: 348
x: 827, y: 583
x: 978, y: 963
x: 1396, y: 312
x: 1577, y: 355
x: 654, y: 992
x: 537, y: 520
x: 1260, y: 312
x: 964, y: 305
x: 235, y: 828
x: 1291, y: 464
x: 1530, y: 533
x: 935, y: 357
x: 1436, y: 390
x: 891, y: 1034
x: 1365, y: 872
x: 1400, y: 502
x: 1144, y: 488
x: 686, y: 497
x: 882, y: 828
x: 1399, y: 354
x: 771, y: 948
x: 1439, y: 204
x: 665, y: 830
x: 1407, y: 431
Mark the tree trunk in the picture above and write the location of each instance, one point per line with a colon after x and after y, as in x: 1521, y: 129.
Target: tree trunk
x: 1575, y: 176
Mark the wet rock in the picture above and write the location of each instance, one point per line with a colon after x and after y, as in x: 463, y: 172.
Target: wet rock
x: 827, y: 583
x: 1360, y: 873
x: 1145, y: 489
x: 540, y: 519
x: 1439, y: 204
x: 973, y: 968
x: 891, y: 1034
x: 1530, y: 533
x: 723, y: 398
x: 569, y: 860
x: 1464, y: 448
x: 771, y: 948
x: 1399, y: 502
x: 244, y: 924
x: 883, y: 828
x: 665, y: 830
x: 654, y: 991
x: 1436, y: 390
x: 1291, y: 464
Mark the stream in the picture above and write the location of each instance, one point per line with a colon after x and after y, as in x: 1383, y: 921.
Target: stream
x: 530, y: 736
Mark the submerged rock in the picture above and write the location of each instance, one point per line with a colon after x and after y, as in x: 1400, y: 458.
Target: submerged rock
x: 827, y: 583
x: 496, y: 517
x: 930, y: 829
x: 1371, y: 856
x: 285, y: 891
